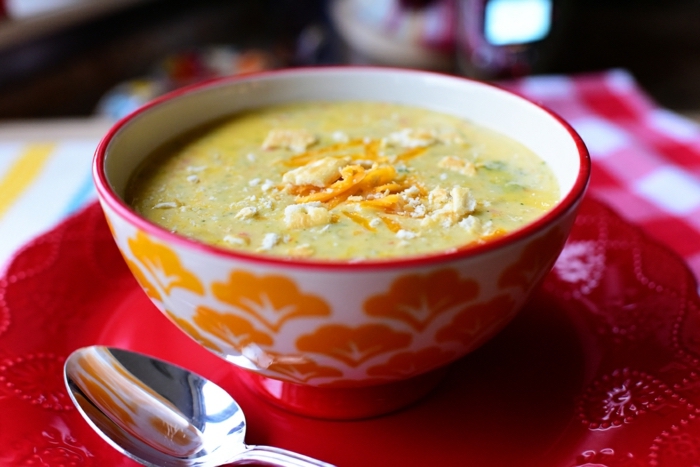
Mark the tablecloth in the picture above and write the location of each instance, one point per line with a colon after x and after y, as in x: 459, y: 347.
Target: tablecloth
x: 646, y: 161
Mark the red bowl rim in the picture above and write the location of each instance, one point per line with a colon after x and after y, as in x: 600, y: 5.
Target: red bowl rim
x: 108, y: 196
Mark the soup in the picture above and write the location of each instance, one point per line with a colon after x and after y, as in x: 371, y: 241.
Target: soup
x: 345, y: 181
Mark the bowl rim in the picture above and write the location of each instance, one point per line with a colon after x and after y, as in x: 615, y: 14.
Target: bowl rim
x: 110, y: 198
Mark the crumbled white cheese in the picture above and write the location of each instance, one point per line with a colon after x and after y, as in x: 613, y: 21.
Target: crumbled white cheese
x: 412, y: 138
x: 304, y: 250
x: 193, y: 179
x: 462, y: 201
x: 166, y: 205
x: 459, y: 165
x: 254, y: 182
x: 405, y: 234
x: 419, y: 211
x: 251, y: 157
x: 340, y: 136
x: 267, y: 185
x: 269, y: 240
x: 246, y: 213
x: 411, y: 191
x: 471, y: 224
x: 196, y: 169
x: 234, y: 240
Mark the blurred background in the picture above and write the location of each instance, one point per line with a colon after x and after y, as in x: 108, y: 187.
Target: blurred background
x: 70, y: 58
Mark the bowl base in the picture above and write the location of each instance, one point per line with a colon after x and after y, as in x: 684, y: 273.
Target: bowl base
x: 349, y: 403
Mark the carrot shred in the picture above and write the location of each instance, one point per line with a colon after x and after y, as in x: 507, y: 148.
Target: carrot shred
x: 372, y: 149
x: 391, y: 224
x: 410, y: 154
x: 378, y: 176
x: 387, y: 203
x: 486, y: 238
x: 494, y: 235
x: 360, y: 220
x: 341, y: 197
x: 351, y: 175
x: 308, y: 156
x: 301, y: 190
x: 391, y: 187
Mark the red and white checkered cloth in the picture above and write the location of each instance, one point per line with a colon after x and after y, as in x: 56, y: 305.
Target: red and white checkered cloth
x: 646, y: 159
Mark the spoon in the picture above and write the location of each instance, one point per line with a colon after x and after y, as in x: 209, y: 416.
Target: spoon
x: 159, y: 414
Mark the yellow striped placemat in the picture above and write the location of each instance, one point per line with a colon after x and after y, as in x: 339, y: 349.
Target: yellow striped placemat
x: 45, y: 175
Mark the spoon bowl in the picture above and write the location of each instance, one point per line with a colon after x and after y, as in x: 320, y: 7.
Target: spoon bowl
x: 160, y: 414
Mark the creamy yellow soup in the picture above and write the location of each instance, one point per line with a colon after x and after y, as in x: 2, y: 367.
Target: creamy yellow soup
x: 344, y: 181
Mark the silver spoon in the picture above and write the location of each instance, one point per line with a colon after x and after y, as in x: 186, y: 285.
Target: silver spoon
x: 159, y: 414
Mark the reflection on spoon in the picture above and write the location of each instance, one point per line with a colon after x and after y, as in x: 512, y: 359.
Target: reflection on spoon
x: 162, y: 415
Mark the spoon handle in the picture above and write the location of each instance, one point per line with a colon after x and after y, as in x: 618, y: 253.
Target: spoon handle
x: 268, y: 455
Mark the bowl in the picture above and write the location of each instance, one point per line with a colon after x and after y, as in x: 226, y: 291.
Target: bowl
x: 339, y: 339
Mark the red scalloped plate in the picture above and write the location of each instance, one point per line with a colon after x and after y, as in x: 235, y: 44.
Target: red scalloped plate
x: 602, y: 368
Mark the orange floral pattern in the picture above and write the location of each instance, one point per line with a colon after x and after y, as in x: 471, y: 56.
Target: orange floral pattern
x: 230, y: 328
x: 478, y: 321
x: 353, y: 346
x: 417, y: 300
x: 150, y: 289
x: 272, y: 300
x: 533, y: 257
x: 193, y: 332
x: 163, y: 266
x: 409, y: 364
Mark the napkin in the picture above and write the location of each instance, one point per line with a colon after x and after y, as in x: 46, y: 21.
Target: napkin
x: 645, y: 158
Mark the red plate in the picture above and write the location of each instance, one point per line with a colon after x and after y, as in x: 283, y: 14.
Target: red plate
x: 601, y: 369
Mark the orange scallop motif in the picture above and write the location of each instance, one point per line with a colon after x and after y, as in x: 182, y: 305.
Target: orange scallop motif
x: 520, y: 273
x: 418, y: 300
x: 353, y: 346
x: 230, y: 328
x: 150, y: 289
x: 193, y: 332
x: 477, y: 322
x: 272, y: 300
x: 304, y: 371
x: 163, y: 265
x: 407, y: 364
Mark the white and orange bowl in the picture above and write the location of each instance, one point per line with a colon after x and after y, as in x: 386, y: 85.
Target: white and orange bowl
x: 339, y: 339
